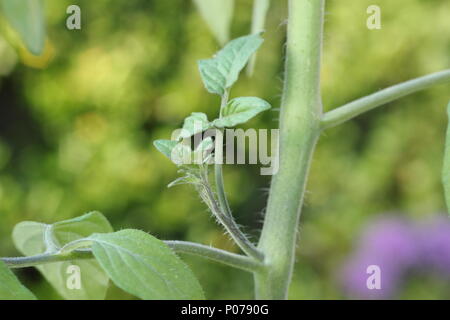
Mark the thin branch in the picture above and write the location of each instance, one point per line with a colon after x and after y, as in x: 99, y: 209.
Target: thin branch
x: 229, y: 224
x: 357, y: 107
x: 225, y: 257
x: 31, y: 261
x: 222, y: 209
x: 220, y: 189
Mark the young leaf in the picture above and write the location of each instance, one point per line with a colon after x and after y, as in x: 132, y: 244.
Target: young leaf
x: 181, y: 154
x: 181, y: 180
x: 203, y: 151
x: 222, y: 71
x: 144, y: 266
x: 218, y: 15
x: 178, y: 152
x: 10, y: 286
x: 197, y: 122
x: 28, y: 238
x: 240, y: 110
x: 165, y: 146
x: 446, y: 164
x: 27, y: 18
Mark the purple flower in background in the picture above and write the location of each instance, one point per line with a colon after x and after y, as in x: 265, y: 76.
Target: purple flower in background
x: 391, y: 247
x: 435, y: 245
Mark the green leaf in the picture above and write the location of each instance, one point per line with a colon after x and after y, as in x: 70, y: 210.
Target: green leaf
x: 31, y: 238
x: 197, y: 122
x: 27, y: 18
x: 240, y: 110
x: 178, y: 152
x: 446, y: 164
x: 165, y: 146
x: 218, y: 15
x: 205, y: 145
x: 181, y: 154
x: 222, y: 71
x: 10, y: 286
x: 144, y: 266
x: 203, y: 151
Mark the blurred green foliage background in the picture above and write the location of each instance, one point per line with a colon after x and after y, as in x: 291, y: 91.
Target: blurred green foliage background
x: 76, y: 127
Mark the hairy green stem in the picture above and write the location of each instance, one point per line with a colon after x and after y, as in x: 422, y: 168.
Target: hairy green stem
x: 214, y: 254
x: 31, y: 261
x: 357, y: 107
x: 222, y: 210
x: 218, y: 168
x: 226, y: 219
x: 220, y: 189
x: 300, y: 116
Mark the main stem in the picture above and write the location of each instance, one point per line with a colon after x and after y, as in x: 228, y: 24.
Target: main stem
x: 300, y: 116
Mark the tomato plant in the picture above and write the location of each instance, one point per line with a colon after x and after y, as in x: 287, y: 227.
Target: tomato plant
x: 149, y: 268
